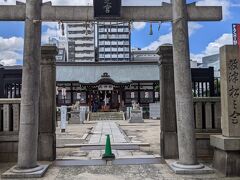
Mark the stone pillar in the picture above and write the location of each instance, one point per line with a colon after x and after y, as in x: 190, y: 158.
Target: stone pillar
x: 63, y: 118
x: 29, y: 116
x: 183, y: 85
x: 227, y: 146
x: 169, y: 144
x: 28, y: 134
x: 47, y: 116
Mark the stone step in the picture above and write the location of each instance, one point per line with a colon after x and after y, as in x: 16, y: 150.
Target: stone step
x: 106, y: 116
x: 132, y: 160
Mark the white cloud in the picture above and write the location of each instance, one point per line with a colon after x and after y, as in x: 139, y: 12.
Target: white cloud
x: 139, y: 25
x: 8, y: 62
x: 213, y: 47
x: 226, y: 4
x: 13, y: 43
x: 167, y: 38
x: 193, y: 27
x: 11, y: 50
x: 163, y: 39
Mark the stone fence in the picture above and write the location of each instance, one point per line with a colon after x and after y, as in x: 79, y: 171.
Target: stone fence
x: 9, y: 127
x: 207, y: 120
x: 207, y: 116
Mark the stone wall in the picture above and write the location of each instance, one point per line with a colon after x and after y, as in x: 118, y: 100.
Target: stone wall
x: 9, y: 126
x: 8, y: 147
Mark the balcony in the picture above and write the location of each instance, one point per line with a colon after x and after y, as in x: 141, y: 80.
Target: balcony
x: 84, y: 48
x: 81, y: 35
x: 82, y: 55
x: 84, y: 42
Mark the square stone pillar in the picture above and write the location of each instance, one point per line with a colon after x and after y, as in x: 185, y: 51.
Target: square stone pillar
x: 227, y: 146
x: 47, y: 115
x: 169, y: 142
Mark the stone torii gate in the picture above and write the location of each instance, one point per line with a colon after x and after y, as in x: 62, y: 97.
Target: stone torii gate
x: 34, y: 12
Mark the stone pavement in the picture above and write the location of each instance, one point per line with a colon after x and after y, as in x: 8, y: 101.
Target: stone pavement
x: 122, y: 147
x: 107, y: 127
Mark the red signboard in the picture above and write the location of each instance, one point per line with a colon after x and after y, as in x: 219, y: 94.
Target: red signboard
x: 236, y: 34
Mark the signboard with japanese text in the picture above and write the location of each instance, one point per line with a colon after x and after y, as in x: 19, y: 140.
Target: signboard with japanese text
x: 230, y: 90
x: 234, y: 90
x: 105, y: 87
x: 236, y: 34
x: 107, y: 9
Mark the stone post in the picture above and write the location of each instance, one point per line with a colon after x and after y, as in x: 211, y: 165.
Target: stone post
x: 63, y: 118
x: 183, y: 93
x: 227, y: 146
x: 183, y: 85
x: 169, y: 144
x: 28, y: 134
x: 47, y: 116
x: 29, y: 116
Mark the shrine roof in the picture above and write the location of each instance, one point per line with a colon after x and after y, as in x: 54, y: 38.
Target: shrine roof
x: 119, y: 72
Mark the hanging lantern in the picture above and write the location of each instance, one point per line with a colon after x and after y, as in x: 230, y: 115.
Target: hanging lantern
x: 151, y: 29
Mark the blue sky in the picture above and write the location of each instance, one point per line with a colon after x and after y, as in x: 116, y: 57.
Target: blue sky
x: 205, y: 37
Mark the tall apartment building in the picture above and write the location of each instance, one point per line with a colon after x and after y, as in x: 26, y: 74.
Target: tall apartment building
x: 81, y: 42
x: 113, y: 41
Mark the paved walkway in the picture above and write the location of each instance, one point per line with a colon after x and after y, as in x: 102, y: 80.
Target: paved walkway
x: 91, y: 150
x: 103, y: 128
x: 117, y: 136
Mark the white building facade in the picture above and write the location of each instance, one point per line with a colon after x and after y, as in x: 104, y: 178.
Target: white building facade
x: 113, y: 41
x: 81, y: 42
x: 212, y: 61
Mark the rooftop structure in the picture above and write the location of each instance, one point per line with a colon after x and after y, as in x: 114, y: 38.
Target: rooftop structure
x: 144, y: 55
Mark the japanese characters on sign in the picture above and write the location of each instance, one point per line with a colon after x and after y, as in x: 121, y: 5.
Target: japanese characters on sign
x: 236, y: 34
x: 107, y: 8
x: 105, y: 87
x: 234, y: 90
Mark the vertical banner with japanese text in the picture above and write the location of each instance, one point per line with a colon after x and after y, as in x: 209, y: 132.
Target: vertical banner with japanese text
x: 236, y: 34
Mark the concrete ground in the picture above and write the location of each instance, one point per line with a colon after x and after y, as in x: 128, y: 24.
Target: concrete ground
x: 148, y: 132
